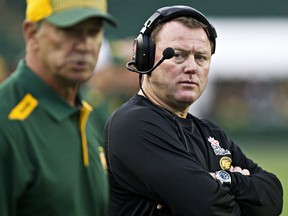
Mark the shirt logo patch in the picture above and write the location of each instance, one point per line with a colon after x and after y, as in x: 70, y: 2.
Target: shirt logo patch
x: 23, y: 109
x: 225, y: 163
x: 217, y: 148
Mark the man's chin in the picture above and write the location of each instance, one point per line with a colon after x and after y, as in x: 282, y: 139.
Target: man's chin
x: 80, y: 76
x: 188, y: 99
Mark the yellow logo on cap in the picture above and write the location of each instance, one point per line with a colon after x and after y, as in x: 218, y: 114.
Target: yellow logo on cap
x: 225, y: 163
x: 38, y: 9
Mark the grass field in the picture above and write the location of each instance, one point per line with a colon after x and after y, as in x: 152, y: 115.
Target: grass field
x: 271, y: 156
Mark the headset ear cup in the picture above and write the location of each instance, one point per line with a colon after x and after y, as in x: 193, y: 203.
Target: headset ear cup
x: 144, y: 52
x: 151, y: 55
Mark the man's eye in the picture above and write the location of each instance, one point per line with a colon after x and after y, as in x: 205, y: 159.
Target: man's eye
x: 179, y: 55
x: 94, y: 32
x: 70, y: 31
x: 201, y: 57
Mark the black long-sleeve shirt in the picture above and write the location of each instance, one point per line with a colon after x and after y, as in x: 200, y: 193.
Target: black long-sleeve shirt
x: 155, y: 157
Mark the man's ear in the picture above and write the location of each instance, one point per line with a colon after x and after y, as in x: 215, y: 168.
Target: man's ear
x: 29, y: 29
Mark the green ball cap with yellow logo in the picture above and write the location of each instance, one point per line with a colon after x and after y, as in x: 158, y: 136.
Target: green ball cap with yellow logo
x: 66, y: 13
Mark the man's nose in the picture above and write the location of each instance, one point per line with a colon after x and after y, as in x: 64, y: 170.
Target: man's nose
x: 191, y: 65
x: 83, y: 41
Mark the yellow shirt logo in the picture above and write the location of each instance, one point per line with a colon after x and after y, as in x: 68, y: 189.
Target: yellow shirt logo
x: 24, y: 108
x: 225, y: 163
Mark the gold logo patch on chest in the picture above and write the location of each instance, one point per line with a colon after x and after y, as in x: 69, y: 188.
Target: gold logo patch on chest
x: 225, y: 163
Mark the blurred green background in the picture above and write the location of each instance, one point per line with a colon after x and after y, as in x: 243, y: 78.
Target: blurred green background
x: 248, y: 90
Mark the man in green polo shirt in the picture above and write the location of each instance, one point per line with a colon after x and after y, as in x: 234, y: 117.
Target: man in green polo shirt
x: 51, y: 159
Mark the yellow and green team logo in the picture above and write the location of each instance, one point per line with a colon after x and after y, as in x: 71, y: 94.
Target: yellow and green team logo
x: 225, y: 163
x: 24, y: 108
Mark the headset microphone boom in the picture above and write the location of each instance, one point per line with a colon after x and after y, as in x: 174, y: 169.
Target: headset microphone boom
x: 168, y: 53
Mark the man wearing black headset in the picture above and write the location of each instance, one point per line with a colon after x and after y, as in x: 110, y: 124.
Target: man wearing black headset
x: 161, y: 159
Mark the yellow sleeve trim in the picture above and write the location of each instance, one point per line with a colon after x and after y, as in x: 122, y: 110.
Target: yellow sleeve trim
x: 24, y: 108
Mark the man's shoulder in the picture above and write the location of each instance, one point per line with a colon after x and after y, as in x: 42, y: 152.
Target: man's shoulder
x: 137, y: 107
x: 16, y: 103
x: 8, y: 97
x: 134, y: 112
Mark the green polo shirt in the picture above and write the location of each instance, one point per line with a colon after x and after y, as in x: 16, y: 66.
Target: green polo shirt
x: 51, y: 161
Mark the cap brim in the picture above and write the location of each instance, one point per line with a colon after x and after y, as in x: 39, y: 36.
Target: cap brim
x: 71, y: 17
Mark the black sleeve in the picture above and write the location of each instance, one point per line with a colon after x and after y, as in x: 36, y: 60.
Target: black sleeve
x: 260, y: 193
x: 147, y: 159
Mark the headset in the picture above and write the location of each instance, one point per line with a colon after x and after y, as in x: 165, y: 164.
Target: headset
x: 144, y: 48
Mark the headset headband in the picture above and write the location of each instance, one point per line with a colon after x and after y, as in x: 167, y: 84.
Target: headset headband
x: 166, y: 14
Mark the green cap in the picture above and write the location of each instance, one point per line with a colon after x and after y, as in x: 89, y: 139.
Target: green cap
x: 65, y: 13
